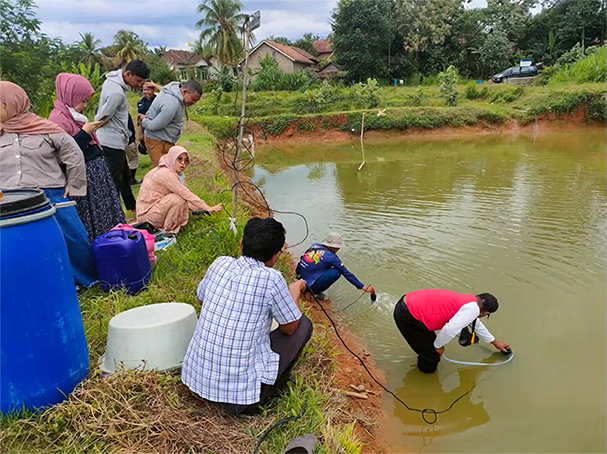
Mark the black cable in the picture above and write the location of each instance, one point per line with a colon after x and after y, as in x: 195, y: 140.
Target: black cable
x: 351, y: 304
x: 232, y: 163
x: 423, y: 412
x: 277, y: 424
x: 237, y: 169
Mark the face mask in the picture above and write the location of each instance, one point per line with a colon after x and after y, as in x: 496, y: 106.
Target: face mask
x: 80, y: 118
x: 182, y: 178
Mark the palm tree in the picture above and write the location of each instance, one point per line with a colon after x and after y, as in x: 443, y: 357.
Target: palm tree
x: 128, y: 46
x: 222, y: 29
x: 201, y: 48
x: 159, y: 50
x: 89, y: 46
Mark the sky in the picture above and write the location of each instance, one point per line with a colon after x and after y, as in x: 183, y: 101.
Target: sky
x: 171, y: 23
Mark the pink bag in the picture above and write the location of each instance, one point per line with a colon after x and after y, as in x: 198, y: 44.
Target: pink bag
x: 149, y: 240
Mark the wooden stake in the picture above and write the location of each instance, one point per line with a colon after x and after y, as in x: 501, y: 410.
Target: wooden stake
x: 362, y: 143
x: 357, y: 395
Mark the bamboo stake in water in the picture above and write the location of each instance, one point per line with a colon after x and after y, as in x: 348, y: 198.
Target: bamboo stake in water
x: 362, y: 143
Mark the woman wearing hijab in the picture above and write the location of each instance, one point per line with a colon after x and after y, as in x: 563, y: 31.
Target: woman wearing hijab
x: 164, y: 199
x: 100, y: 209
x: 32, y: 151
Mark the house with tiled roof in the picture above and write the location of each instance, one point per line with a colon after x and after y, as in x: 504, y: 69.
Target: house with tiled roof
x: 289, y: 58
x: 324, y: 47
x: 186, y: 64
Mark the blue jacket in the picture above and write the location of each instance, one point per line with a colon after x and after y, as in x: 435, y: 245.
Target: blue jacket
x: 143, y: 105
x: 319, y: 259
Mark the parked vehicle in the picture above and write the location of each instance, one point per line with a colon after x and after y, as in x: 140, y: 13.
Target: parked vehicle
x: 515, y: 71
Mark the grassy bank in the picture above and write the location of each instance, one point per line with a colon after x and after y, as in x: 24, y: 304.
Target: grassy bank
x: 153, y: 411
x: 402, y: 108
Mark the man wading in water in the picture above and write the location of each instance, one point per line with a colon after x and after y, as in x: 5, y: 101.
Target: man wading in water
x: 418, y: 314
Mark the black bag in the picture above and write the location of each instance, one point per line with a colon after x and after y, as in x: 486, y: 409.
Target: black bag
x: 142, y: 149
x: 467, y: 337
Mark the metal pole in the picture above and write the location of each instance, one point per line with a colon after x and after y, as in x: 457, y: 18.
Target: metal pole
x: 245, y: 80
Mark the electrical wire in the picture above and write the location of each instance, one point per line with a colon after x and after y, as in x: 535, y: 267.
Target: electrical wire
x: 277, y: 424
x: 467, y: 363
x: 424, y: 412
x: 351, y: 304
x: 250, y: 163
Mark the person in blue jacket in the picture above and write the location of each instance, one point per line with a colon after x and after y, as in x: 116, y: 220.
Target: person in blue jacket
x: 320, y: 267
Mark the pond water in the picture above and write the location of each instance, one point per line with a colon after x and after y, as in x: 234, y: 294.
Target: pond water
x: 522, y: 217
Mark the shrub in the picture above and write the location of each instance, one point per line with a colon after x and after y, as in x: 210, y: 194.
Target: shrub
x: 277, y: 125
x: 368, y: 94
x: 596, y: 109
x: 590, y: 69
x: 547, y: 73
x: 576, y: 53
x: 474, y: 93
x: 419, y: 97
x: 508, y: 95
x: 448, y: 85
x: 217, y: 94
x: 271, y: 77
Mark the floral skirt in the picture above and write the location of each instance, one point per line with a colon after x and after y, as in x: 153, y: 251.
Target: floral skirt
x: 100, y: 209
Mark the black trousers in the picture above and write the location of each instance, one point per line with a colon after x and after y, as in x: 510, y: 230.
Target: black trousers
x: 420, y: 338
x: 116, y: 161
x: 289, y: 348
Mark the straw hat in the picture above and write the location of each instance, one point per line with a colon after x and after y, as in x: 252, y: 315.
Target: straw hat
x: 334, y: 239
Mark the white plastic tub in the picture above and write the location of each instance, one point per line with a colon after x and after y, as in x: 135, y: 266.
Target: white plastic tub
x: 149, y: 337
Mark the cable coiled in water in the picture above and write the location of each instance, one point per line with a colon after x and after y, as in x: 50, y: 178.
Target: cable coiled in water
x: 468, y: 363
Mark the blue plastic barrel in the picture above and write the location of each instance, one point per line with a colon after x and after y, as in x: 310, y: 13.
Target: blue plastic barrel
x: 121, y: 258
x: 43, y: 348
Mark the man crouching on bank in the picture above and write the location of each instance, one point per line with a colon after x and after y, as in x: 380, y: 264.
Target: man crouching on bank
x: 233, y: 359
x: 419, y: 314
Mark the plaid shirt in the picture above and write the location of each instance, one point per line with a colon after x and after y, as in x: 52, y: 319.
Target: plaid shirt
x: 230, y: 356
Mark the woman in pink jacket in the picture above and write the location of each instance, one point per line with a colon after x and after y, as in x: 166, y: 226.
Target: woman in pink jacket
x: 164, y: 200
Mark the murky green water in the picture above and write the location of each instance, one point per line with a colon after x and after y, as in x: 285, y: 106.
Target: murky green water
x: 521, y: 217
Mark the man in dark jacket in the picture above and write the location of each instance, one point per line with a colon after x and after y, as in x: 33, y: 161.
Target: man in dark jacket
x: 149, y: 94
x: 320, y: 267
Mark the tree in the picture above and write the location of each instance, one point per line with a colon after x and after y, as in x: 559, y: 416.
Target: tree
x: 424, y: 23
x: 448, y: 85
x: 509, y: 17
x: 128, y: 46
x: 307, y: 43
x: 222, y: 29
x: 159, y: 70
x: 18, y: 21
x: 281, y: 40
x: 159, y: 50
x: 30, y: 58
x: 203, y: 49
x: 90, y: 51
x: 359, y: 39
x: 495, y: 53
x: 578, y: 21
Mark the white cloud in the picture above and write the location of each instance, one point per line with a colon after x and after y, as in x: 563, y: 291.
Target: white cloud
x: 172, y: 22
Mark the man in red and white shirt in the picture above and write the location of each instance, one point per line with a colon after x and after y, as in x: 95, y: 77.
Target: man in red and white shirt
x: 420, y: 313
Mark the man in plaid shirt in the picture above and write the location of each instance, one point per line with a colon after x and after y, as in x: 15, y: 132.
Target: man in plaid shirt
x: 233, y: 359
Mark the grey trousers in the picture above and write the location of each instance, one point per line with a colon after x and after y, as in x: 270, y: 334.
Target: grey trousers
x: 289, y: 348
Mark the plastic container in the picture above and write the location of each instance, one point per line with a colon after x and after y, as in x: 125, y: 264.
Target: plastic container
x: 43, y: 348
x: 122, y: 260
x: 149, y: 337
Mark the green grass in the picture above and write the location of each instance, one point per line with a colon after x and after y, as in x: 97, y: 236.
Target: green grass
x: 154, y: 411
x: 591, y: 69
x: 483, y: 104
